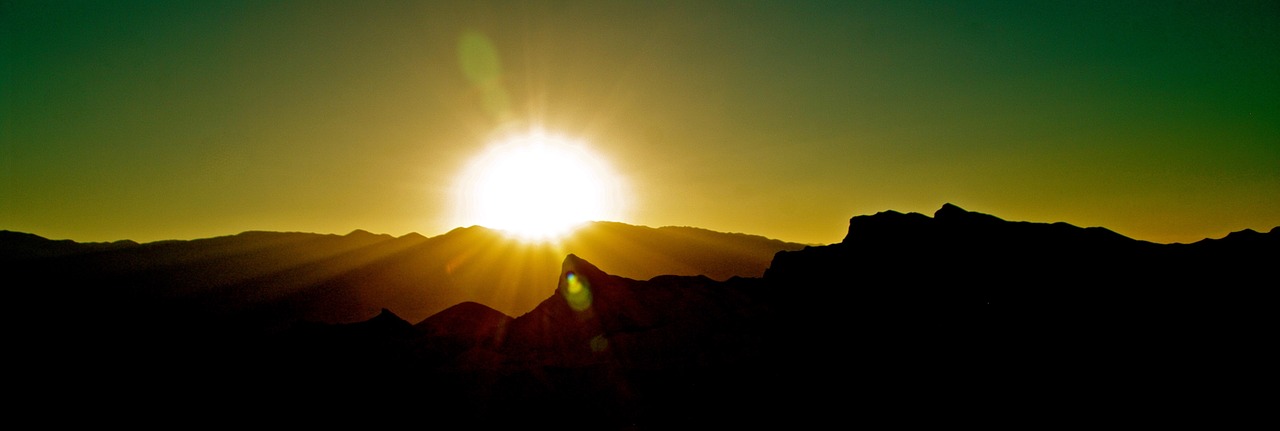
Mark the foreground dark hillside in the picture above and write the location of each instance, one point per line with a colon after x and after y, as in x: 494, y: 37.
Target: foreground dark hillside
x: 1072, y: 321
x: 960, y: 317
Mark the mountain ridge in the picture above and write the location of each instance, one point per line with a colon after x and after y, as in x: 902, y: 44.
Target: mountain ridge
x: 350, y: 277
x: 961, y: 314
x: 946, y: 209
x: 892, y: 322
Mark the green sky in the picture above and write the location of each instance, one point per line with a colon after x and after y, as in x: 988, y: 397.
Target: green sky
x: 176, y: 120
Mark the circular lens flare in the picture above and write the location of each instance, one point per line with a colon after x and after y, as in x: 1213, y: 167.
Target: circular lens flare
x: 577, y: 291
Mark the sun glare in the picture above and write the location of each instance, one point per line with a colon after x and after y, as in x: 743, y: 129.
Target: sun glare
x: 538, y: 187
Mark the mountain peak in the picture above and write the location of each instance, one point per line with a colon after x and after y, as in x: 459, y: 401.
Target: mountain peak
x: 579, y: 268
x: 413, y: 236
x: 949, y: 210
x: 366, y: 235
x: 1244, y: 235
x: 468, y: 318
x: 952, y: 213
x: 873, y: 227
x: 387, y: 318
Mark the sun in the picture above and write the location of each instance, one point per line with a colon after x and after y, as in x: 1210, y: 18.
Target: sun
x: 538, y: 187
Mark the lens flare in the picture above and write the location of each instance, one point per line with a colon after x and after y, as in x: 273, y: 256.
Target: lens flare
x: 577, y: 291
x: 481, y: 65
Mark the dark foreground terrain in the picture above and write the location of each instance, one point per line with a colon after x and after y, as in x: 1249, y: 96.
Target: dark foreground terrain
x: 959, y: 318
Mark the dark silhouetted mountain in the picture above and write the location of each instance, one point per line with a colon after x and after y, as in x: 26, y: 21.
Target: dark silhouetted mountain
x: 1021, y: 307
x: 24, y: 246
x: 274, y: 279
x: 468, y: 319
x: 596, y: 317
x: 386, y: 321
x: 961, y: 316
x: 617, y: 350
x: 464, y: 336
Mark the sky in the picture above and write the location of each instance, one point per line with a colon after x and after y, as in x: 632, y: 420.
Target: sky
x: 152, y: 120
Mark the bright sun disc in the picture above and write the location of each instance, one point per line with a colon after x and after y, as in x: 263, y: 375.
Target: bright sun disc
x: 538, y: 188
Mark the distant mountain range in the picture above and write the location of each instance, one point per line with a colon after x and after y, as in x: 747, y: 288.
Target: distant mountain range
x: 287, y: 277
x: 960, y: 317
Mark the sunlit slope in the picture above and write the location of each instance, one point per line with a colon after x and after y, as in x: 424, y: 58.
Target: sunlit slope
x: 481, y: 265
